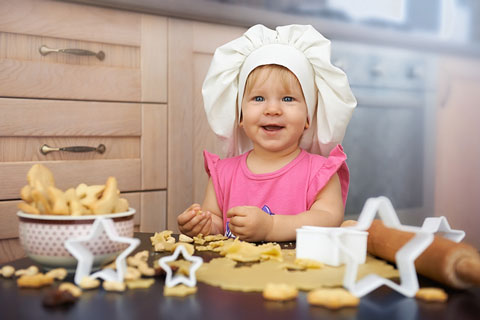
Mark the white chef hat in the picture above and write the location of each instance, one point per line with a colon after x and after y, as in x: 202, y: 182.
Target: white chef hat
x: 302, y: 50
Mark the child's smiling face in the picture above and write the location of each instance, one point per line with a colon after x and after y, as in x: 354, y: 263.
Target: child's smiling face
x: 274, y: 112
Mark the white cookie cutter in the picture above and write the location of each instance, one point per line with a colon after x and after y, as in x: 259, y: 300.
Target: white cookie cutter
x: 347, y: 251
x: 85, y: 257
x: 170, y: 281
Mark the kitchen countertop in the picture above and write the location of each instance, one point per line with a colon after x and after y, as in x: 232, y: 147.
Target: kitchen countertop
x: 244, y: 16
x: 212, y: 303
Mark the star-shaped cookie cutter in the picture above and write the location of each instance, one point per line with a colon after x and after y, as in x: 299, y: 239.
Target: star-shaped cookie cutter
x: 170, y: 281
x: 85, y: 257
x: 404, y: 258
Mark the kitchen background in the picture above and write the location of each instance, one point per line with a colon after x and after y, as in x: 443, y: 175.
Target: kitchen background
x: 413, y: 66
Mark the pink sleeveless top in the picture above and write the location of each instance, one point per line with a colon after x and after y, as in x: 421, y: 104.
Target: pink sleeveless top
x: 289, y: 190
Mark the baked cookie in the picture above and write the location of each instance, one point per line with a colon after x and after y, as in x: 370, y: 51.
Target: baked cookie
x: 279, y: 292
x: 179, y: 291
x: 431, y: 294
x: 34, y: 281
x: 332, y: 298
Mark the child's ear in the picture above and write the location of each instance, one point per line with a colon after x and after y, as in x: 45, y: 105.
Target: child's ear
x: 307, y: 124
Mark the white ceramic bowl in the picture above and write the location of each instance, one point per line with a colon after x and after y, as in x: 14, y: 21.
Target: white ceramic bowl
x: 43, y: 238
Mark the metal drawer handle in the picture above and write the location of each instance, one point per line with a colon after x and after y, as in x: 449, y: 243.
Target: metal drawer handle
x: 100, y: 149
x: 44, y: 50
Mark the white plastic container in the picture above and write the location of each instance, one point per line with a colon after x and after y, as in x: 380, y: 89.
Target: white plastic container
x: 324, y: 244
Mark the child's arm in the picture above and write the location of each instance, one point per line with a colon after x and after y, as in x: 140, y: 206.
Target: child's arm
x: 252, y: 224
x: 210, y: 204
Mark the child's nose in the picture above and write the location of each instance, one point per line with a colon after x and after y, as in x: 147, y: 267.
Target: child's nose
x: 273, y: 108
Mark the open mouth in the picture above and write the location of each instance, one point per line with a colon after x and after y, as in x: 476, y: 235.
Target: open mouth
x: 272, y: 128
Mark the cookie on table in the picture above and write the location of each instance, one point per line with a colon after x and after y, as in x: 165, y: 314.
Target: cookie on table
x: 332, y: 298
x: 180, y: 290
x: 279, y: 292
x: 432, y: 294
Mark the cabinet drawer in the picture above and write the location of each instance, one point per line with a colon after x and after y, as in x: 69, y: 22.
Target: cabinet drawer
x: 133, y: 45
x: 134, y: 136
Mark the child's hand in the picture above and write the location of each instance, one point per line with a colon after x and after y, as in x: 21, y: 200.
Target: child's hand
x: 250, y: 223
x: 193, y: 221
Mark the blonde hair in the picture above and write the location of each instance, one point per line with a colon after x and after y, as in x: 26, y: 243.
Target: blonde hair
x: 261, y: 73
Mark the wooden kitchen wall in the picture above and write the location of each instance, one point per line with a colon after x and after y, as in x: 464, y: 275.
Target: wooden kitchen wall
x: 191, y: 48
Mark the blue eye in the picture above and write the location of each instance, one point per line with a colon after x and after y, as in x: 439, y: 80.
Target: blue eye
x: 287, y: 99
x: 259, y: 99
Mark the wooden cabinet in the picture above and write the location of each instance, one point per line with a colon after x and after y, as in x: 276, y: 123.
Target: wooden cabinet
x: 457, y: 149
x: 72, y: 98
x: 190, y: 50
x: 134, y: 48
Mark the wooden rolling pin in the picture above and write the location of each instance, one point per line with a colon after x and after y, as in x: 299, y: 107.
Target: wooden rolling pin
x: 454, y: 264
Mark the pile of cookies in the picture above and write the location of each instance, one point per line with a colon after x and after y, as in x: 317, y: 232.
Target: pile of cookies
x: 40, y: 196
x: 139, y: 275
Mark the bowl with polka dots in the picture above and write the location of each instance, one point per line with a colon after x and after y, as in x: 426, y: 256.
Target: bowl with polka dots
x: 43, y: 238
